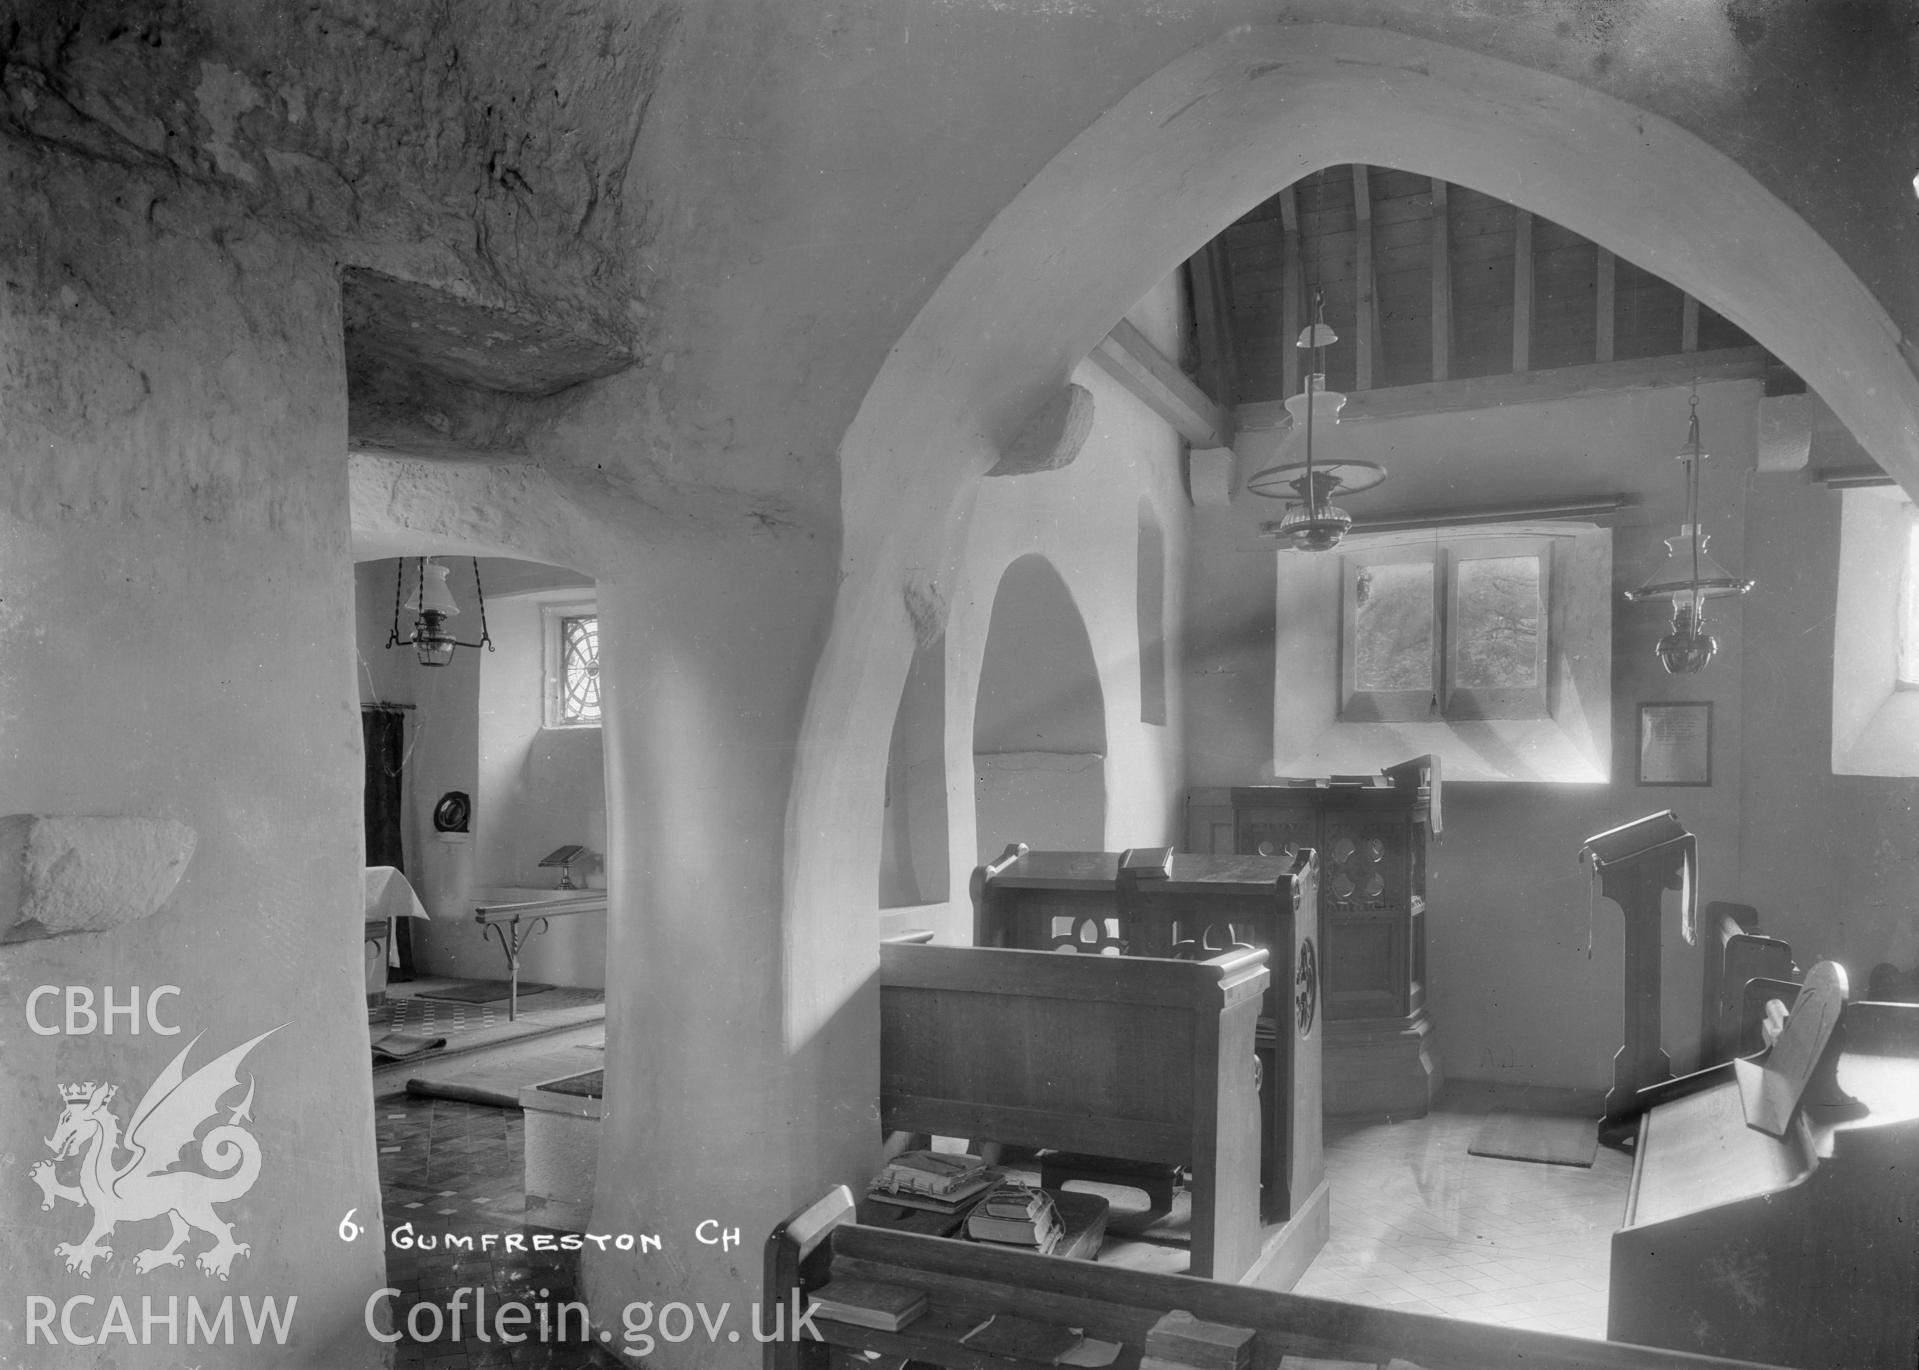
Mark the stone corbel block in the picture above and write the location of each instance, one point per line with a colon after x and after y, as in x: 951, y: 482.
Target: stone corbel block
x: 61, y: 875
x: 1785, y: 431
x: 1209, y: 473
x: 1052, y: 438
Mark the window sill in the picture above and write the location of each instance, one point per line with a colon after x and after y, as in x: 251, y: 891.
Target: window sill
x: 1528, y: 751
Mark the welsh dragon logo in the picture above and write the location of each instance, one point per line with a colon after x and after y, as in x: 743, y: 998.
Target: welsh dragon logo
x: 145, y: 1185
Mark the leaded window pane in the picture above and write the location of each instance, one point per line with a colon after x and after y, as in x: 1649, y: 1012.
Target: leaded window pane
x: 580, y: 670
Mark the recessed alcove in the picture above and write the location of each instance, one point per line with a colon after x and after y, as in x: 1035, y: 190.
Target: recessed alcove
x: 1039, y: 726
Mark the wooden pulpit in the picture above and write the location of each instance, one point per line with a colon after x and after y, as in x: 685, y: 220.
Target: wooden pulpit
x: 1635, y: 864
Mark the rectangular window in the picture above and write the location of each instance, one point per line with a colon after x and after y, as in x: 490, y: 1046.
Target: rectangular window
x: 1389, y: 635
x: 571, y: 678
x: 1450, y: 630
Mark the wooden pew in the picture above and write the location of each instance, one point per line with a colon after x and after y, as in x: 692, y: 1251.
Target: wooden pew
x: 1144, y: 1059
x: 1774, y: 1207
x: 1158, y: 902
x: 966, y: 1282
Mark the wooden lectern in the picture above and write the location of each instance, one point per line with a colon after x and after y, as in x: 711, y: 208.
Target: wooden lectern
x: 1635, y: 864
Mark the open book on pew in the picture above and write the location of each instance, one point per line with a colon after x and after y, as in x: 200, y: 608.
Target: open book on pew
x: 1799, y: 1170
x: 1799, y: 1065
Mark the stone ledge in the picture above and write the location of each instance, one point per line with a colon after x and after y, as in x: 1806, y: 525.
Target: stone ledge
x: 60, y: 874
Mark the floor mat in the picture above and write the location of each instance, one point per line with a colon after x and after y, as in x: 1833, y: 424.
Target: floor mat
x: 1545, y: 1138
x: 497, y: 1076
x: 406, y: 1046
x: 480, y: 991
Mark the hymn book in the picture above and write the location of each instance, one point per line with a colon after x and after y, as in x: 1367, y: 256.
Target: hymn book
x: 1179, y: 1339
x: 869, y: 1303
x: 938, y: 1180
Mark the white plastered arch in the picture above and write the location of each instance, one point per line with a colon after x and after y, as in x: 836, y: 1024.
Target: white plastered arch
x: 1171, y: 164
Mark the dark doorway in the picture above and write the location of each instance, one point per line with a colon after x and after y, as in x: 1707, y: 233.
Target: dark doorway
x: 383, y: 731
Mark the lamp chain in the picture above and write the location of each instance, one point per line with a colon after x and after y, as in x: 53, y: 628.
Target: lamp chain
x: 399, y: 576
x: 1319, y: 361
x: 480, y: 595
x: 1692, y: 501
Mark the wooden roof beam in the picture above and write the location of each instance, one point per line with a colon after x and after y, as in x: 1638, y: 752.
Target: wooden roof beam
x: 1442, y: 270
x: 1129, y: 357
x: 1366, y: 297
x: 1522, y: 290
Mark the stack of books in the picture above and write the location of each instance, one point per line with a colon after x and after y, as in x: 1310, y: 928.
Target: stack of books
x: 1017, y: 1215
x: 869, y: 1303
x: 939, y: 1180
x: 1180, y: 1341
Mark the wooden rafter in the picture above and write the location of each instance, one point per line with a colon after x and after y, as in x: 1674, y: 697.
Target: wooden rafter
x: 1604, y: 270
x: 1442, y: 269
x: 1522, y: 290
x: 1211, y: 282
x: 1292, y: 288
x: 1365, y: 293
x: 1129, y: 357
x: 1533, y: 387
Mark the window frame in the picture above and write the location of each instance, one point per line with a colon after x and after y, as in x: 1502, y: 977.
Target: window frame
x: 1385, y: 706
x: 1445, y: 701
x: 1474, y: 703
x: 1907, y: 653
x: 553, y: 617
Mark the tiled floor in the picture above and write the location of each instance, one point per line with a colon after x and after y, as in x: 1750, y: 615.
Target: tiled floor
x: 1418, y: 1224
x: 472, y: 1027
x: 449, y: 1167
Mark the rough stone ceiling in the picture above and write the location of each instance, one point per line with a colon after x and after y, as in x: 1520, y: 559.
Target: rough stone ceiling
x: 467, y: 161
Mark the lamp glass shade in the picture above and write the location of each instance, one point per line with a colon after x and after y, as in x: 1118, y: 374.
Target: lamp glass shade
x: 1326, y: 407
x: 432, y: 595
x: 1676, y: 578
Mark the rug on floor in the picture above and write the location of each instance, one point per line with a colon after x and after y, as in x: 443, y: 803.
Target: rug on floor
x: 1548, y: 1139
x: 480, y: 991
x: 405, y: 1046
x: 496, y: 1076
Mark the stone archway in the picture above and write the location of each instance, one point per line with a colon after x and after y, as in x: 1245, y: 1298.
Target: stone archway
x: 1039, y: 724
x: 1161, y: 172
